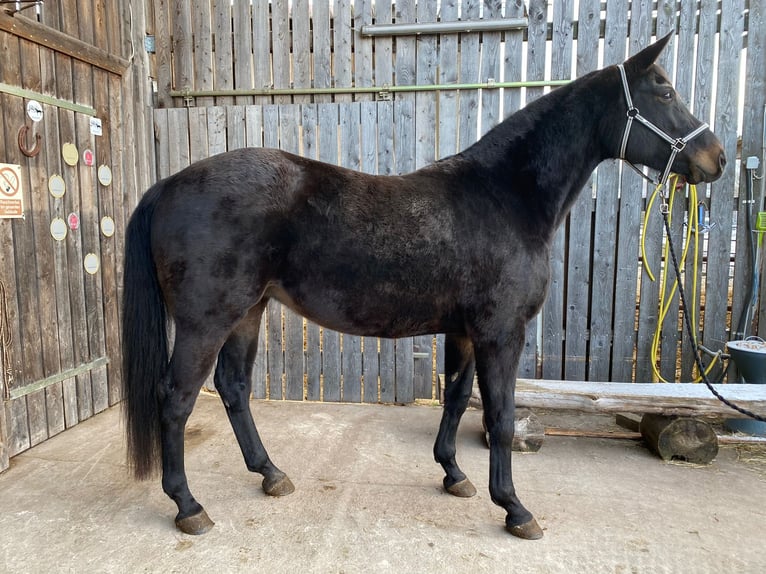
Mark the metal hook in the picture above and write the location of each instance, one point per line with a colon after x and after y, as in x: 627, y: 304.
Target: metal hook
x: 23, y: 142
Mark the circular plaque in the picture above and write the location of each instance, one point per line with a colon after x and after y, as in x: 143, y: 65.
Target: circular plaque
x: 69, y: 153
x: 91, y: 263
x: 57, y: 186
x: 107, y: 226
x: 58, y: 229
x: 104, y: 175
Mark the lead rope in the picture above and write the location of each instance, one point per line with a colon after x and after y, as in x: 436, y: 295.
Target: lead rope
x: 690, y: 331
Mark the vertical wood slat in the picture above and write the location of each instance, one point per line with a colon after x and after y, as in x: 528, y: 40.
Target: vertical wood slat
x: 722, y: 202
x: 623, y: 337
x: 301, y: 47
x: 202, y: 62
x: 331, y: 350
x: 469, y: 73
x: 310, y: 124
x: 369, y: 164
x: 343, y: 61
x: 242, y: 48
x: 577, y: 309
x: 351, y: 353
x: 385, y: 144
x: 280, y: 47
x: 223, y: 57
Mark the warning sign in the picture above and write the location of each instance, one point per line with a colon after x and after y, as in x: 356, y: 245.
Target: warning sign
x: 11, y: 196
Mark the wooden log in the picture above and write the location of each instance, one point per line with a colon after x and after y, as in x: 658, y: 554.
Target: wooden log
x: 679, y: 438
x: 529, y: 432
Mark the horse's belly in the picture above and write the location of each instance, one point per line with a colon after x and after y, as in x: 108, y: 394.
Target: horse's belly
x: 371, y: 312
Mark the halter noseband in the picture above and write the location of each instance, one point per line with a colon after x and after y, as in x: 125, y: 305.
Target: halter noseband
x: 676, y: 144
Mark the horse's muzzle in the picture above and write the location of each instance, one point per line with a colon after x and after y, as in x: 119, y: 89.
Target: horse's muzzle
x: 707, y: 164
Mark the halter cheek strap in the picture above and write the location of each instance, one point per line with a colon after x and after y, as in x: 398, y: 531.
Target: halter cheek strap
x: 676, y: 144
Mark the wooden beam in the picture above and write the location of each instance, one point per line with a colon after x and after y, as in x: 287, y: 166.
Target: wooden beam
x: 33, y: 31
x: 661, y: 398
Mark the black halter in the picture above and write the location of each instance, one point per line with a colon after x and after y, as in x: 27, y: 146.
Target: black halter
x: 676, y: 144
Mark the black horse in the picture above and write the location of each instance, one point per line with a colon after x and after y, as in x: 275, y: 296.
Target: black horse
x: 459, y: 247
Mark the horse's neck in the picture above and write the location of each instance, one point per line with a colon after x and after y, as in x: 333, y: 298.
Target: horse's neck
x: 541, y: 157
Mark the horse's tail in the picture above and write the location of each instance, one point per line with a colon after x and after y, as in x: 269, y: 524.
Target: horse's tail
x: 144, y: 341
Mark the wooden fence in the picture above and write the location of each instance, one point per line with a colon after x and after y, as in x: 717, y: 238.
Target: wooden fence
x: 225, y: 63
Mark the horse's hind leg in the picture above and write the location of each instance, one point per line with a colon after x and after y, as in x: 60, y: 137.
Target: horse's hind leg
x: 233, y: 377
x: 192, y: 360
x: 459, y: 366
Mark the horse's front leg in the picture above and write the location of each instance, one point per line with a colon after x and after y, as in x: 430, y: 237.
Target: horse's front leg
x: 496, y: 363
x: 459, y: 367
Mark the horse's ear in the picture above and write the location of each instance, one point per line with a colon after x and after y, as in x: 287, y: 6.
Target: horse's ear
x: 648, y: 55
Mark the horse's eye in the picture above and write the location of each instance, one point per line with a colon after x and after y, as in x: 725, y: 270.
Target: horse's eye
x: 667, y: 96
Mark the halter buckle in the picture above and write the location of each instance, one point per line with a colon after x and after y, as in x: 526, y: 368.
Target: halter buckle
x: 678, y: 145
x: 633, y: 113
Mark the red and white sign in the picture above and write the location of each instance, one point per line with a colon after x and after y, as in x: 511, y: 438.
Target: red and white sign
x: 11, y: 193
x: 74, y: 221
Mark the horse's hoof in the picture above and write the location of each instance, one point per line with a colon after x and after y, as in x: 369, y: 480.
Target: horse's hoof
x: 196, y: 524
x: 528, y: 531
x: 280, y: 485
x: 462, y: 489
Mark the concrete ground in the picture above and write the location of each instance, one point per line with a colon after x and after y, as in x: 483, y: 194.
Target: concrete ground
x: 369, y: 499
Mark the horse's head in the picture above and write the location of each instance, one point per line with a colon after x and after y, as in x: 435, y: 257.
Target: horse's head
x: 659, y: 131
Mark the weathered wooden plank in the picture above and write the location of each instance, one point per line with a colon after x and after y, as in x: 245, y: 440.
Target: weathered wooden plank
x: 663, y: 398
x: 309, y: 121
x: 383, y: 53
x: 235, y: 127
x: 630, y: 190
x: 321, y: 40
x: 17, y: 439
x: 289, y: 140
x: 183, y: 57
x: 405, y: 68
x: 369, y: 164
x: 387, y: 350
x: 280, y: 47
x: 722, y: 203
x: 37, y: 71
x: 178, y: 134
x: 514, y: 47
x: 262, y: 48
x: 604, y: 248
x: 242, y: 48
x: 362, y: 47
x: 331, y: 350
x: 469, y: 74
x: 89, y: 232
x: 164, y: 51
x: 202, y: 56
x: 216, y: 130
x: 58, y: 417
x: 350, y: 157
x: 405, y: 145
x: 273, y: 334
x: 301, y: 11
x: 343, y: 58
x: 107, y: 245
x: 447, y: 103
x: 554, y: 313
x: 578, y: 270
x: 197, y: 118
x: 490, y: 68
x: 223, y: 57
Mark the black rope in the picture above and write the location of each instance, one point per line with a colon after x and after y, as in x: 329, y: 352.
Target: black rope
x: 693, y: 338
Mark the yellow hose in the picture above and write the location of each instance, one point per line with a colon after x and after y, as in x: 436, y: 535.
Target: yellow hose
x: 664, y: 307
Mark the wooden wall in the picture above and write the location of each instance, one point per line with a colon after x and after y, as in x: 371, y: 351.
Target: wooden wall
x: 602, y: 310
x: 62, y: 363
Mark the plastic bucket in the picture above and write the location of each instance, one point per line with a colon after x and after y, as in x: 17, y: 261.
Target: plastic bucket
x: 750, y: 357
